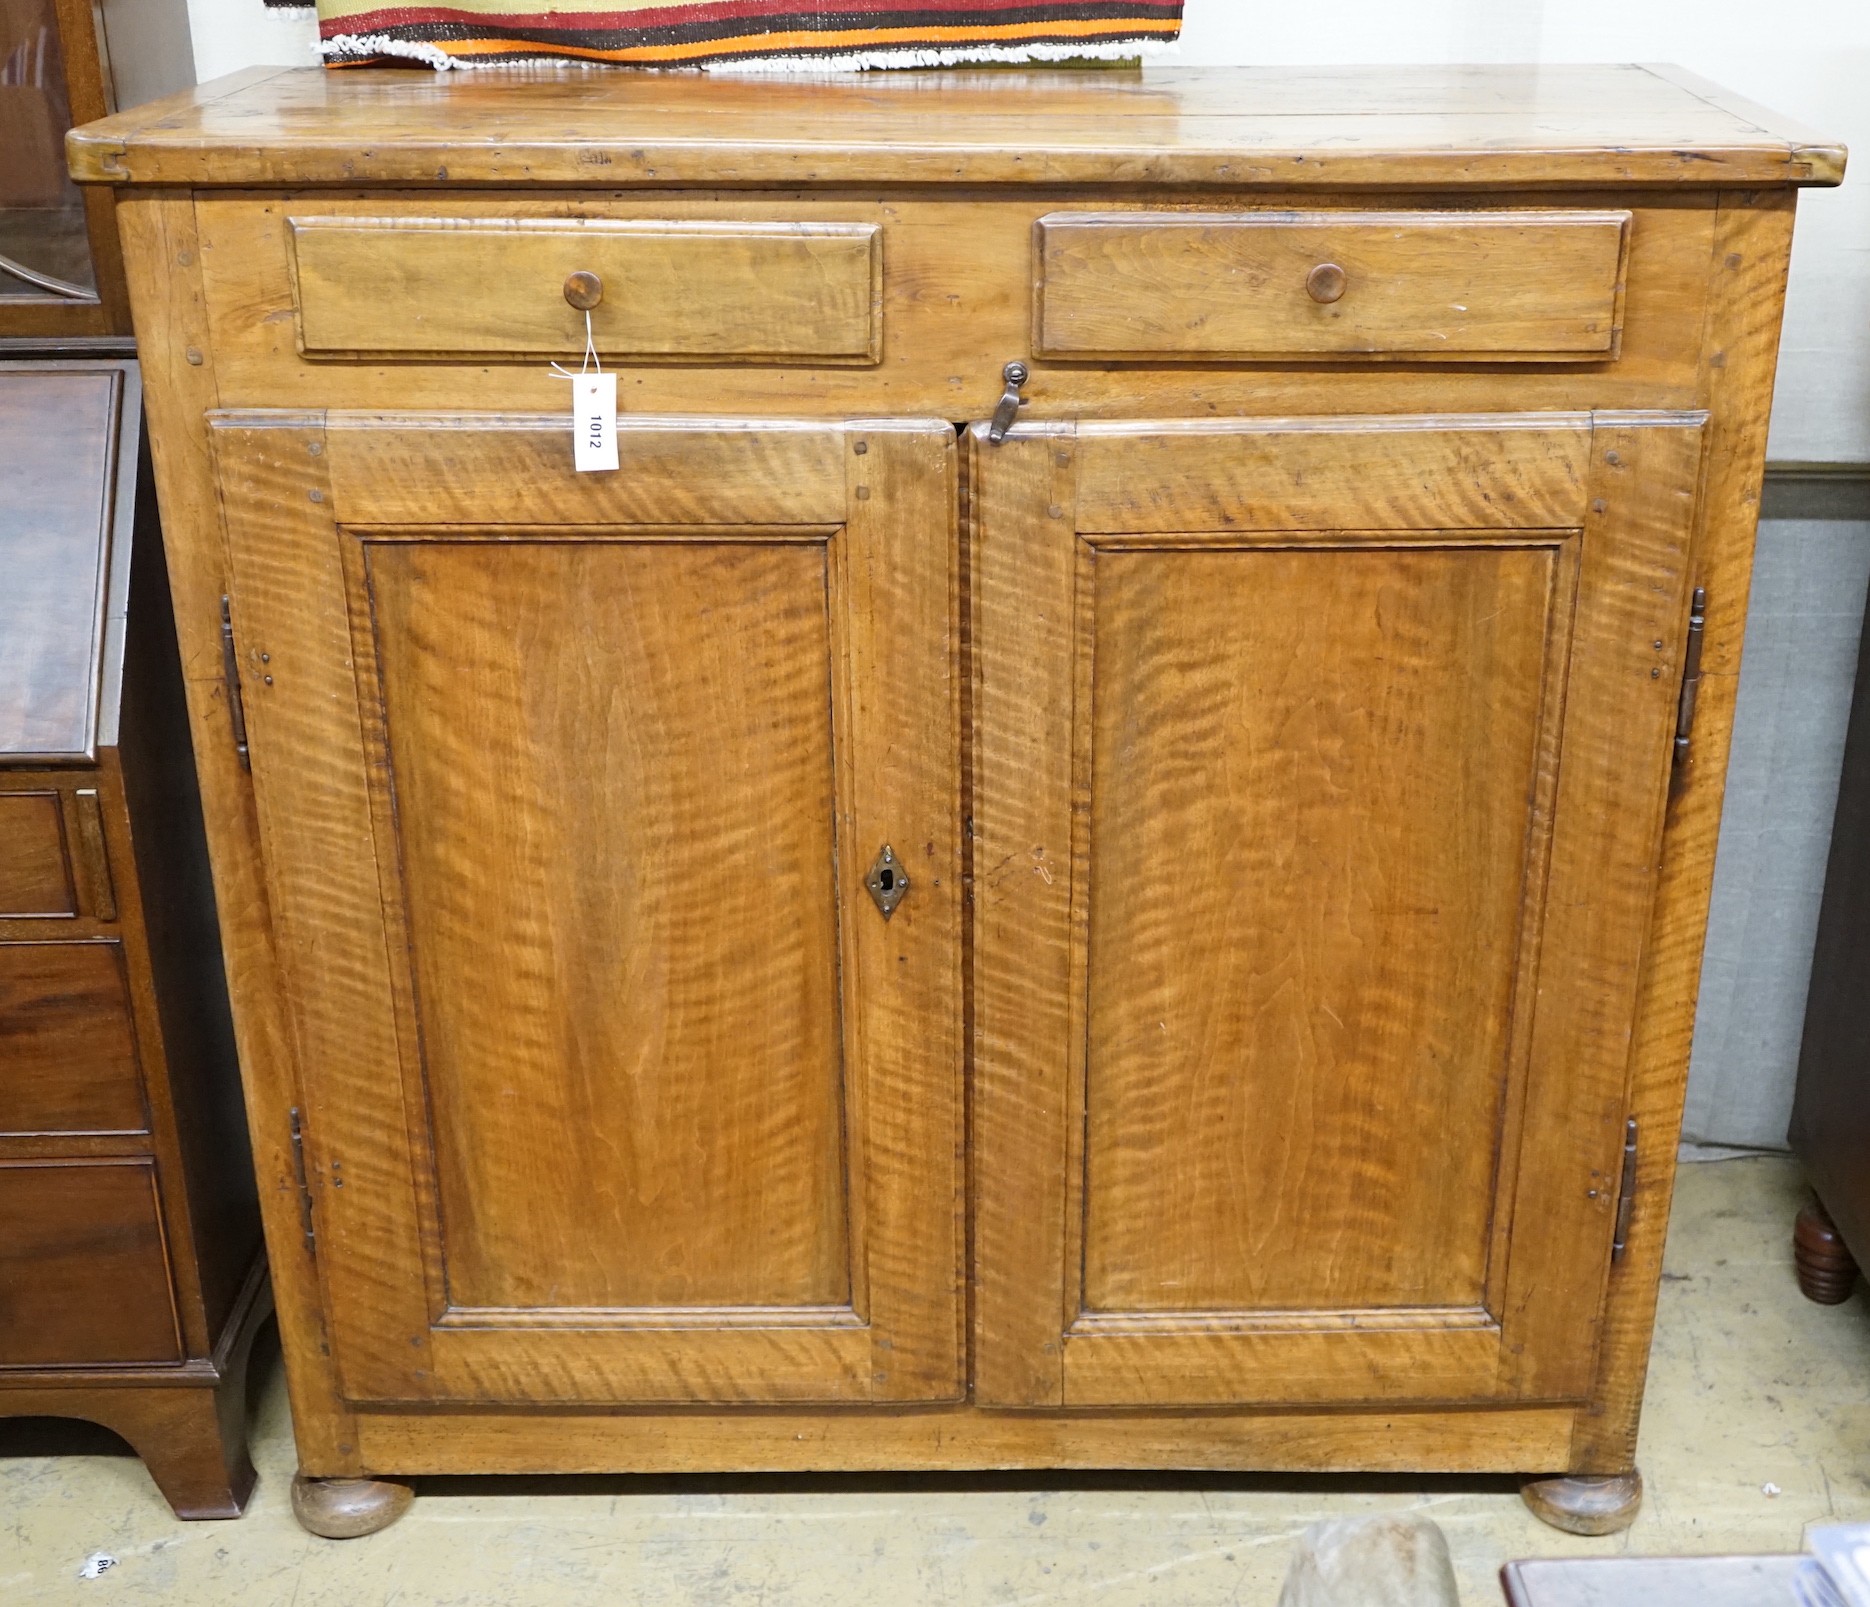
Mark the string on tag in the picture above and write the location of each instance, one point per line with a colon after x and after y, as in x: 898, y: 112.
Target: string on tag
x: 593, y: 408
x: 591, y: 359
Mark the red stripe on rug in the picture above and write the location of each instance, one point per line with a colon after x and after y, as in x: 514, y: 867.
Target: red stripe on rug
x: 385, y: 18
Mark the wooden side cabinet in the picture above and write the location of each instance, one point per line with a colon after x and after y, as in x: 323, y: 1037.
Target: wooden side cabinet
x: 131, y: 1280
x: 1831, y: 1235
x: 1092, y: 853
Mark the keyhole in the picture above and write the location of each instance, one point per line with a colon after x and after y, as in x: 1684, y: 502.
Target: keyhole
x: 887, y: 881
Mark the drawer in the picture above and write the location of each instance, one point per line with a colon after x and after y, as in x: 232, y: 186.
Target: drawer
x: 1519, y: 286
x: 666, y: 289
x: 68, y: 1059
x: 35, y: 871
x: 84, y: 1278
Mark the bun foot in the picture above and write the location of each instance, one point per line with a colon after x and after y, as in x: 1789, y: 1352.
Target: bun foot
x: 1585, y: 1503
x: 1827, y: 1270
x: 343, y: 1509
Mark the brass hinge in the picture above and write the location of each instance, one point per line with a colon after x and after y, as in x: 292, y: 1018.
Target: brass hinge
x: 230, y: 672
x: 1691, y: 674
x: 1626, y: 1193
x: 305, y: 1188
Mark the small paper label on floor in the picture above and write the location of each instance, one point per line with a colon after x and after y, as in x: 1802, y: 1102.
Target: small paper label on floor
x: 594, y: 421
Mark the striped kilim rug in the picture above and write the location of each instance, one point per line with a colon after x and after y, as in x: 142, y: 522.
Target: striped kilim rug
x: 742, y: 33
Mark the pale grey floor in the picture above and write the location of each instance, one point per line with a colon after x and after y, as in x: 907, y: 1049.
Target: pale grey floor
x: 1803, y: 624
x: 1758, y: 1424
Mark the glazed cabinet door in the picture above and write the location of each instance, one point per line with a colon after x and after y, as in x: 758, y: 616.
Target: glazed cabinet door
x: 1321, y: 768
x: 617, y: 1084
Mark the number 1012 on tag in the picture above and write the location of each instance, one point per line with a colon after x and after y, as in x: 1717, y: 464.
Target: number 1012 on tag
x: 594, y: 421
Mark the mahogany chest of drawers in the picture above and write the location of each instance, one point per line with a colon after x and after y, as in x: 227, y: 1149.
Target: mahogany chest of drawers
x: 131, y: 1279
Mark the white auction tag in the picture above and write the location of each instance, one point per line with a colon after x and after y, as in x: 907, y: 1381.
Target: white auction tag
x: 594, y: 421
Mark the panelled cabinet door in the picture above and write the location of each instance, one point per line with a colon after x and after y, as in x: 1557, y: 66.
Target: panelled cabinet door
x: 617, y: 1084
x: 1320, y: 776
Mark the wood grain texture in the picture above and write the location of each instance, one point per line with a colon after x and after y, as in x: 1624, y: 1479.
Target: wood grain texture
x: 68, y: 1041
x: 1613, y: 779
x: 1460, y: 286
x: 1309, y: 777
x: 130, y: 1217
x: 965, y: 1437
x: 1179, y: 758
x: 325, y: 902
x: 35, y: 870
x: 1020, y: 493
x: 486, y: 1256
x: 954, y: 177
x: 1334, y: 473
x: 1747, y: 276
x: 458, y: 285
x: 896, y: 617
x: 957, y: 281
x: 513, y: 470
x: 83, y: 1265
x: 1240, y: 127
x: 188, y: 1423
x: 100, y: 888
x: 159, y: 235
x: 598, y: 1092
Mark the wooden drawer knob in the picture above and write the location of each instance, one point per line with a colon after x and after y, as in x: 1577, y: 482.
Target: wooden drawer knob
x: 1324, y: 283
x: 584, y: 290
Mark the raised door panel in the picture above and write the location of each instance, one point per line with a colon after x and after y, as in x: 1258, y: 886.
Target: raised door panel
x: 617, y: 1085
x: 1320, y: 775
x: 612, y: 769
x: 1310, y: 852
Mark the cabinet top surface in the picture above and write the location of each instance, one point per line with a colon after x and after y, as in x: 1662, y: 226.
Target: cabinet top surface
x: 1243, y: 128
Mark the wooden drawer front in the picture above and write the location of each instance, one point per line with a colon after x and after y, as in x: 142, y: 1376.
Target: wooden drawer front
x: 83, y: 1275
x: 1449, y: 286
x: 35, y: 873
x: 670, y: 289
x: 67, y: 1047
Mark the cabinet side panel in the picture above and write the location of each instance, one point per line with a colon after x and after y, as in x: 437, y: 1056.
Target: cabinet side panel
x: 1753, y: 241
x: 180, y: 387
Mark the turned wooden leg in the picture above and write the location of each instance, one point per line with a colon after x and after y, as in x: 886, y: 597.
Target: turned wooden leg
x: 1585, y: 1503
x: 343, y: 1509
x: 1827, y: 1270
